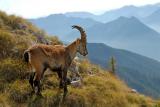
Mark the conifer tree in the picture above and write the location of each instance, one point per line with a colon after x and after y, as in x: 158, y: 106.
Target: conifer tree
x: 112, y: 65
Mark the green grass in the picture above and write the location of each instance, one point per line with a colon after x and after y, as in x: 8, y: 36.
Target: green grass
x: 99, y: 90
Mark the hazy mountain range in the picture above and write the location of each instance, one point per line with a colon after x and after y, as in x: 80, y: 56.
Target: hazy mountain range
x: 153, y: 20
x: 60, y: 25
x: 127, y: 11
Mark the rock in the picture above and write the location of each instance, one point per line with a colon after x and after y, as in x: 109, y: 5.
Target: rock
x: 76, y: 83
x: 133, y: 91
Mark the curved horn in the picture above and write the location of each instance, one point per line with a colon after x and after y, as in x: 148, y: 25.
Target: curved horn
x: 80, y: 29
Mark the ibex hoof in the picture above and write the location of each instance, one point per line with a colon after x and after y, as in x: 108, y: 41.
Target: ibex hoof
x: 68, y: 81
x: 61, y: 85
x: 32, y: 92
x: 64, y: 94
x: 39, y: 94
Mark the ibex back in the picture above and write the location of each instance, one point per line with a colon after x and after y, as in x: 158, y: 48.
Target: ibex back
x: 57, y: 58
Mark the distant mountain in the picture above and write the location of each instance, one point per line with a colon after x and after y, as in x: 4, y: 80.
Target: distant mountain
x: 59, y: 24
x: 80, y: 14
x: 153, y: 20
x: 139, y: 72
x: 125, y: 33
x: 126, y: 11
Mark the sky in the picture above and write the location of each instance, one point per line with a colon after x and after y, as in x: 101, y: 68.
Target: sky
x: 40, y: 8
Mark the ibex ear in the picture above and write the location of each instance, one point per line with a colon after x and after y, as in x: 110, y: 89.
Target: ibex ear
x: 78, y: 41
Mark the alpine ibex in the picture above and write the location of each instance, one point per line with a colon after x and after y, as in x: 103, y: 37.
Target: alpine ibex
x: 55, y: 57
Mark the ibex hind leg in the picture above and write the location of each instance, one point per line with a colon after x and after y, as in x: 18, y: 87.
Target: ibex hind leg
x: 31, y: 80
x: 37, y: 86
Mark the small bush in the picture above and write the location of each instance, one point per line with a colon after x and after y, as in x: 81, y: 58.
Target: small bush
x: 84, y: 67
x: 53, y: 98
x: 1, y: 23
x: 14, y: 21
x: 74, y: 100
x: 4, y: 18
x: 7, y: 43
x: 2, y: 104
x: 53, y: 40
x: 21, y: 44
x: 19, y: 91
x: 37, y: 101
x: 50, y: 81
x: 3, y: 86
x: 12, y: 69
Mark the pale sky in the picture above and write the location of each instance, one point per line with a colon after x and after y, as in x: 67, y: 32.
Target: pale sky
x: 39, y: 8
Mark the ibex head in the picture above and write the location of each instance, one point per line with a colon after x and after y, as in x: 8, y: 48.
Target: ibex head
x: 82, y: 48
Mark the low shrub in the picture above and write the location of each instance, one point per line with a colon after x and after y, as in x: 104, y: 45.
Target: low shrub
x: 53, y: 40
x: 7, y: 43
x: 12, y: 69
x: 3, y: 86
x: 19, y: 91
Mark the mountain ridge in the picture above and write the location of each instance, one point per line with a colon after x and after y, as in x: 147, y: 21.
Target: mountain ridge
x: 130, y: 67
x: 126, y: 11
x: 153, y: 20
x: 54, y: 24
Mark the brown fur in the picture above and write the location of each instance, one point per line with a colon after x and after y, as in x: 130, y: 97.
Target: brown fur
x: 57, y: 58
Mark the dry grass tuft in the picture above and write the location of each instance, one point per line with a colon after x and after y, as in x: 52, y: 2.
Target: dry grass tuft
x: 19, y: 91
x: 12, y: 70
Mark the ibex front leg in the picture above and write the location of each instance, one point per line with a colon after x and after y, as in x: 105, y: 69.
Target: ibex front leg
x: 31, y: 80
x: 60, y: 77
x: 65, y: 82
x: 37, y: 82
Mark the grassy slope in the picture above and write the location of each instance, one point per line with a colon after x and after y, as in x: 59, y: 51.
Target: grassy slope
x: 101, y: 89
x: 98, y: 90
